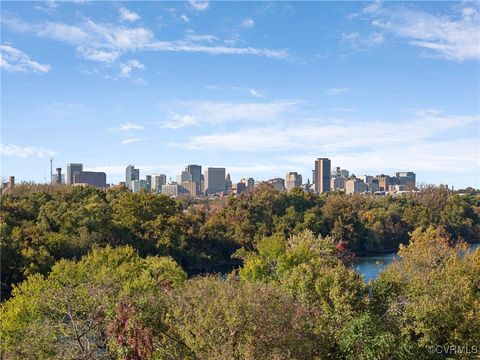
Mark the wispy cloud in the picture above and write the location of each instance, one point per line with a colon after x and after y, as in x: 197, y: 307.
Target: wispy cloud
x: 215, y: 112
x: 336, y: 91
x: 127, y: 127
x: 356, y: 138
x: 359, y: 41
x: 128, y: 15
x: 126, y: 68
x: 106, y: 42
x: 177, y: 121
x: 453, y: 37
x: 248, y: 23
x: 14, y: 60
x: 255, y: 93
x: 132, y: 140
x: 199, y: 5
x: 25, y: 151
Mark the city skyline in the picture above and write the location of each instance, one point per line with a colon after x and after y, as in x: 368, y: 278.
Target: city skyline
x: 261, y: 89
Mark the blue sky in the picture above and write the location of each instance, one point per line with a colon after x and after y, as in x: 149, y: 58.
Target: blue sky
x: 260, y: 88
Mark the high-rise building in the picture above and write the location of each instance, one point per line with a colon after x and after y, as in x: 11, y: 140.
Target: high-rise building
x: 228, y: 183
x: 293, y: 180
x: 157, y: 182
x: 249, y: 183
x: 338, y: 183
x: 384, y: 182
x: 340, y: 172
x: 277, y: 183
x: 196, y: 171
x: 406, y: 178
x: 71, y: 170
x: 367, y: 179
x: 58, y: 177
x: 172, y: 189
x: 138, y: 185
x: 214, y: 180
x: 322, y: 175
x: 190, y: 187
x: 238, y: 188
x: 148, y: 178
x: 355, y: 186
x: 184, y: 176
x: 131, y: 174
x: 194, y: 174
x: 93, y: 178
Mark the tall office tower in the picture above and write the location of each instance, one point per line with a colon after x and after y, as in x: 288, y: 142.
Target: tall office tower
x: 138, y: 185
x: 228, y: 183
x: 338, y: 183
x: 131, y: 174
x: 71, y: 170
x: 58, y: 177
x: 214, y: 180
x: 340, y: 172
x: 93, y: 178
x: 190, y: 187
x: 149, y: 182
x: 172, y: 189
x: 406, y: 178
x: 293, y: 180
x: 157, y: 182
x: 184, y: 176
x: 196, y: 171
x: 322, y: 175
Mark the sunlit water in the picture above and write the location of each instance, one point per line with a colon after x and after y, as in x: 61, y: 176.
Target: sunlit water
x: 371, y: 266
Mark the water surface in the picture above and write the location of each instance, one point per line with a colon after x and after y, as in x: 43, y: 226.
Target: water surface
x: 371, y: 266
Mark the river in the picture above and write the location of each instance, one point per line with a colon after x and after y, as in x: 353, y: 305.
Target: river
x: 371, y: 266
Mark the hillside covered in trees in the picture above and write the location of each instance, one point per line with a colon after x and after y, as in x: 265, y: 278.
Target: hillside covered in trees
x: 108, y: 274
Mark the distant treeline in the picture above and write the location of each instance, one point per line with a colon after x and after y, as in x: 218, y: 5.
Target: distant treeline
x: 41, y: 225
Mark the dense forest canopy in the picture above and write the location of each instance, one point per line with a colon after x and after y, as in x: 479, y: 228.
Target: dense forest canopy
x: 103, y: 274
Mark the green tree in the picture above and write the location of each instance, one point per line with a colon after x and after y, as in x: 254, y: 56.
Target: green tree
x: 65, y: 315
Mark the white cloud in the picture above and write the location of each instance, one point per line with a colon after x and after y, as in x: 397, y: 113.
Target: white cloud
x: 105, y: 42
x: 246, y: 140
x: 126, y: 68
x: 177, y: 121
x: 201, y: 37
x: 214, y: 112
x: 98, y: 55
x: 358, y: 41
x: 454, y: 36
x: 199, y: 5
x: 59, y: 31
x: 184, y: 18
x: 336, y: 91
x: 24, y: 151
x: 132, y: 140
x: 255, y: 93
x: 423, y: 130
x: 127, y: 127
x: 248, y: 23
x: 14, y: 60
x: 372, y: 7
x: 128, y: 15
